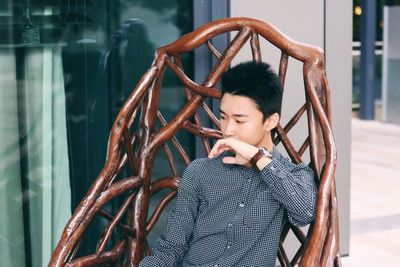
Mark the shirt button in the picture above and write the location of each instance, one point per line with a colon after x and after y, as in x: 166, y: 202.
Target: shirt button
x: 229, y: 224
x: 272, y: 168
x: 216, y: 265
x: 228, y: 246
x: 241, y: 205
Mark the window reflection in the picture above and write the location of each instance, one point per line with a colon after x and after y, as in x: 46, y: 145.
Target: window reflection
x: 66, y: 68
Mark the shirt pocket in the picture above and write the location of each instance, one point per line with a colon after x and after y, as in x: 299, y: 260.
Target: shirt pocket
x: 261, y: 212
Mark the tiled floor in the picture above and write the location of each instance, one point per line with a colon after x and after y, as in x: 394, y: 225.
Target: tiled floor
x: 375, y: 195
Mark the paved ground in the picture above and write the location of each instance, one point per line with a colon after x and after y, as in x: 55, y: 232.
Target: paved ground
x: 375, y: 195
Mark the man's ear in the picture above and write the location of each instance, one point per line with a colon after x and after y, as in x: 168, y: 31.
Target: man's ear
x: 271, y: 122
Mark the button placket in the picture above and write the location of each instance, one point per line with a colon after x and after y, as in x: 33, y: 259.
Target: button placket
x: 246, y: 189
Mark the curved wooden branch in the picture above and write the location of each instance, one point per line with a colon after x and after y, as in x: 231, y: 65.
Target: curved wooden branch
x: 295, y: 118
x: 315, y: 246
x: 230, y: 52
x: 115, y: 221
x: 96, y: 260
x: 283, y: 256
x: 213, y: 50
x: 202, y: 131
x: 321, y: 246
x: 157, y: 213
x: 283, y: 63
x: 255, y: 47
x: 211, y: 115
x: 190, y: 108
x: 192, y: 40
x: 74, y: 229
x: 122, y: 227
x: 175, y: 142
x: 288, y: 144
x: 198, y: 89
x: 304, y: 146
x: 128, y: 140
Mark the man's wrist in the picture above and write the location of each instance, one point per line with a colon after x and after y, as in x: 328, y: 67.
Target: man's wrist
x: 263, y: 162
x: 253, y: 152
x: 261, y: 158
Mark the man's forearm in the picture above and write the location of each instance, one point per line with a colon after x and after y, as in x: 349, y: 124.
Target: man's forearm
x: 293, y: 185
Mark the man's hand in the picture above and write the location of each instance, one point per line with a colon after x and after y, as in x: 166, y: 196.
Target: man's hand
x: 244, y: 152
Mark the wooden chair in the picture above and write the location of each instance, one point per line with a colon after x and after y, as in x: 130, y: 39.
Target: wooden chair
x: 137, y: 146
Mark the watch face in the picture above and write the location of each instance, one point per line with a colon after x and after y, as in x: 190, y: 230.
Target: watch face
x: 266, y: 152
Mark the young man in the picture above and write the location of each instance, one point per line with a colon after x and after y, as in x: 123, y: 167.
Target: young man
x: 231, y: 207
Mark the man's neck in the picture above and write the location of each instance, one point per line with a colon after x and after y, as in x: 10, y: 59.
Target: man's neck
x: 267, y: 143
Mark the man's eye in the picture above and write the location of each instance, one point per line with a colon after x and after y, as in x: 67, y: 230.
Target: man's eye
x: 240, y: 122
x: 222, y: 118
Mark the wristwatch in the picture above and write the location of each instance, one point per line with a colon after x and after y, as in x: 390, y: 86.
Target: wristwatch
x: 262, y: 152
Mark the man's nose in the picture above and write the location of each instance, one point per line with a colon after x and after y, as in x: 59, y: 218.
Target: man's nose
x: 230, y: 129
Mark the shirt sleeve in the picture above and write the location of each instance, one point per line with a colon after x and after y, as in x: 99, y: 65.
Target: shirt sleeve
x: 170, y: 248
x: 292, y: 185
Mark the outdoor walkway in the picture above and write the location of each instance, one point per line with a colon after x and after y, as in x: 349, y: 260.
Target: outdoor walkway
x: 375, y: 195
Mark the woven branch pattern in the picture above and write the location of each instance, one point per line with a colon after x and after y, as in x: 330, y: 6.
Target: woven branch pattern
x: 136, y: 147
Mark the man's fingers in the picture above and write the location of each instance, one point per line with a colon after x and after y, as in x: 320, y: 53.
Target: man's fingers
x: 241, y: 149
x: 219, y: 147
x: 229, y: 160
x: 216, y: 151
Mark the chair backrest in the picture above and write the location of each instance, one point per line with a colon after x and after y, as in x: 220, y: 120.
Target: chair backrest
x: 135, y: 145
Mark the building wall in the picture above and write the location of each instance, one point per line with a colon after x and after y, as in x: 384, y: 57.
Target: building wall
x: 314, y: 22
x: 338, y: 32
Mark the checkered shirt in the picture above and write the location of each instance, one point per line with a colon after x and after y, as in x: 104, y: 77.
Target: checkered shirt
x: 230, y: 215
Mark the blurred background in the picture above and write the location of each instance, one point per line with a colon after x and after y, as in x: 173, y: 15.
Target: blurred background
x: 66, y: 67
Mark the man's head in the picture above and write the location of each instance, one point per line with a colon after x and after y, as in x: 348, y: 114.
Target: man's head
x: 257, y: 81
x: 251, y: 102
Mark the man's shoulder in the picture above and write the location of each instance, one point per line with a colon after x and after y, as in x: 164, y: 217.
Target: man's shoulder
x: 201, y: 167
x: 201, y: 164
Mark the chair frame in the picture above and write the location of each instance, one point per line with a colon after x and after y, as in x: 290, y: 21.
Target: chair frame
x: 137, y: 148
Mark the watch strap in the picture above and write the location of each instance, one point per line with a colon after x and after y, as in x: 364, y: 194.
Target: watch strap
x: 262, y: 152
x: 256, y: 157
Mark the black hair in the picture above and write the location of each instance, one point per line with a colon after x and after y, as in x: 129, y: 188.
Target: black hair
x: 257, y: 81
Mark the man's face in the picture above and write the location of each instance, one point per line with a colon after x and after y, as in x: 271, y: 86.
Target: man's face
x: 241, y: 119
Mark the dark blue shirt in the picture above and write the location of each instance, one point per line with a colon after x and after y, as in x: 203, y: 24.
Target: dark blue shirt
x: 230, y: 215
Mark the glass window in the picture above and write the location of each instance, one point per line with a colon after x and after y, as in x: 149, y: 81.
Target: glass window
x: 66, y: 68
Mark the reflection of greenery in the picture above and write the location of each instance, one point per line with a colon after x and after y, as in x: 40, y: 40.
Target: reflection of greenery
x: 182, y: 19
x: 356, y: 78
x: 157, y: 5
